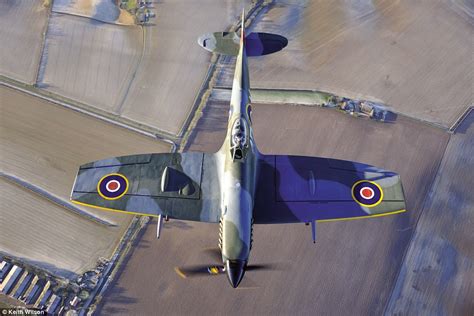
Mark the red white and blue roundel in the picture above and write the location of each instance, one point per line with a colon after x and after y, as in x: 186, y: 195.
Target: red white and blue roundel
x: 367, y: 193
x: 112, y: 186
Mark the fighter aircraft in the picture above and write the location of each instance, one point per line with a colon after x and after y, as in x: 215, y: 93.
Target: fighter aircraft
x: 238, y: 187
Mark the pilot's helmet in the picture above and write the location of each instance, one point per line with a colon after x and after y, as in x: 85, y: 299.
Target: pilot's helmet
x: 238, y: 137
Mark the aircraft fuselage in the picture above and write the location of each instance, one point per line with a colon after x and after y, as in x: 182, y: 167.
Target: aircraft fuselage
x: 238, y: 177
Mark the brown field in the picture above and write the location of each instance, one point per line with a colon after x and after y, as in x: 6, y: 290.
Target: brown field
x: 50, y: 237
x: 150, y: 75
x: 174, y: 65
x: 88, y: 61
x: 44, y: 144
x: 353, y: 266
x: 22, y: 24
x: 415, y: 56
x: 438, y: 270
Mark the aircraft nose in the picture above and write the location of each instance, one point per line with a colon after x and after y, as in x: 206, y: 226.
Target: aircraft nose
x: 235, y: 271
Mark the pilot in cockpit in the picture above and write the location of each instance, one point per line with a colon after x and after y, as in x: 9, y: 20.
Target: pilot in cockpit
x: 239, y: 139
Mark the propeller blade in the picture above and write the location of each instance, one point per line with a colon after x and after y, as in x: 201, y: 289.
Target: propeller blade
x: 198, y: 271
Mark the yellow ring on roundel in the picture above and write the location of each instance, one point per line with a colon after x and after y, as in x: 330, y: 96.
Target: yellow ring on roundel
x: 367, y: 205
x: 108, y: 175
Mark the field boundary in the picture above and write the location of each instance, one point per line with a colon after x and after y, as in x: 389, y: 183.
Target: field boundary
x: 54, y: 199
x: 88, y: 110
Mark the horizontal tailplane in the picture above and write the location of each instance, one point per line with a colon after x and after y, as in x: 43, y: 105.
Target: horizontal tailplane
x: 256, y: 44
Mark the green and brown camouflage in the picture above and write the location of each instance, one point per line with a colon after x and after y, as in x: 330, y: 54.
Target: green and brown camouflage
x: 226, y: 43
x: 171, y: 184
x: 240, y: 171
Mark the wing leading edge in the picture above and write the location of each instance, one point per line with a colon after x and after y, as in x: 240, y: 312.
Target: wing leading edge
x: 292, y: 189
x: 178, y: 185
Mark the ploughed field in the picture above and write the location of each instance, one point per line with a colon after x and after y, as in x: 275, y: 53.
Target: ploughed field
x: 43, y: 145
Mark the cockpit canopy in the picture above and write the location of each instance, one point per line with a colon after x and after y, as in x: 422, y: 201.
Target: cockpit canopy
x: 239, y: 138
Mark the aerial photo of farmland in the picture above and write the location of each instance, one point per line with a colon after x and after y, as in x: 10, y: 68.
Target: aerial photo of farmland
x: 220, y: 206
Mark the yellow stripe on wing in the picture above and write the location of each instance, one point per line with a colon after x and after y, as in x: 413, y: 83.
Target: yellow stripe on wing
x: 319, y: 220
x: 112, y: 209
x: 359, y: 217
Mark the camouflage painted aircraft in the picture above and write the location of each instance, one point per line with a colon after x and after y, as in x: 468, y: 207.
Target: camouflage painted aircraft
x: 238, y: 186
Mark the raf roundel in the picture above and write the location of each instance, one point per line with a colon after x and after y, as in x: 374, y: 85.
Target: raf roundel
x: 367, y: 193
x: 112, y: 186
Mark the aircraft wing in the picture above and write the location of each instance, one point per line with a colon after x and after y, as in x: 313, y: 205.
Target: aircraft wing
x: 293, y: 189
x: 180, y: 185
